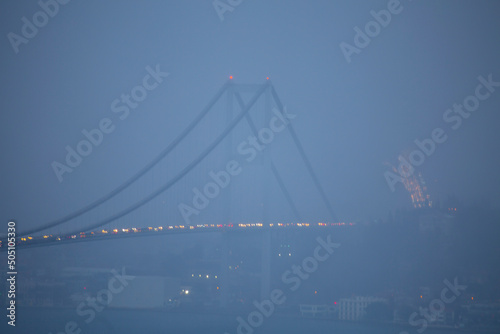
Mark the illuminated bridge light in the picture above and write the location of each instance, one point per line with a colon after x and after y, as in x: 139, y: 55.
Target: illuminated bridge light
x: 190, y: 227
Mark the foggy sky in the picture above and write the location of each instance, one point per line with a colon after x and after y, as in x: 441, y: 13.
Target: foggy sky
x: 351, y: 117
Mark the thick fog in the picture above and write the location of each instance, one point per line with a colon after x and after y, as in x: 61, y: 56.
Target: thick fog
x: 242, y: 132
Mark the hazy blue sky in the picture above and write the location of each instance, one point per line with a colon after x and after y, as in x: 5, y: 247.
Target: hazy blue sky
x: 351, y: 117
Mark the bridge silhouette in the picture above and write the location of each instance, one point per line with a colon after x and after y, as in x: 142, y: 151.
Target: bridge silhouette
x: 87, y: 224
x: 118, y: 213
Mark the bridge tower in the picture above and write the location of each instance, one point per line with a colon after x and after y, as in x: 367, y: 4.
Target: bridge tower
x: 237, y: 111
x: 235, y: 105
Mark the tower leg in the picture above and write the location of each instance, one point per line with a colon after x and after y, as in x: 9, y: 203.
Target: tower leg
x: 224, y: 279
x: 265, y: 288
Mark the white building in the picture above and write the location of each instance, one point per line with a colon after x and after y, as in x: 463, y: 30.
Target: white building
x: 354, y: 308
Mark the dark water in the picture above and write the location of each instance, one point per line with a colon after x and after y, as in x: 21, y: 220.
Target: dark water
x: 54, y: 321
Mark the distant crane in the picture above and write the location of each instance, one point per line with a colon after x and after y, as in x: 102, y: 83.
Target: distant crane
x: 414, y: 184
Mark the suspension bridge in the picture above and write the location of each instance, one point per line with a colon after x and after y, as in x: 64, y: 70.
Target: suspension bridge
x: 241, y: 120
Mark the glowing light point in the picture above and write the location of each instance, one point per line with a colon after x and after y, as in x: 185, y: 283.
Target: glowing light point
x: 231, y: 77
x: 267, y: 78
